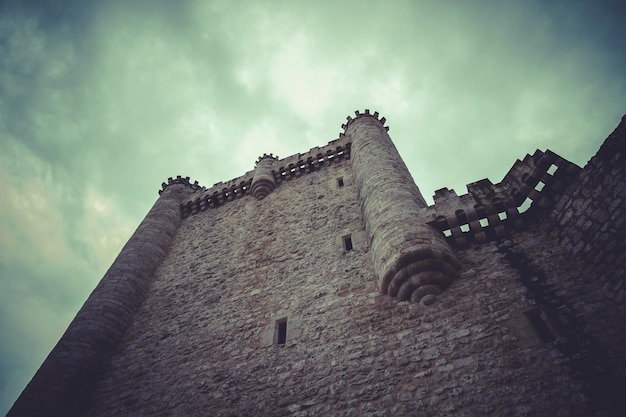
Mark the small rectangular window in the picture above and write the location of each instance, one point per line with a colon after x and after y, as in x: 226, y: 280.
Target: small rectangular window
x: 539, y: 186
x: 347, y: 243
x: 340, y: 182
x: 552, y: 169
x: 525, y: 205
x: 280, y: 331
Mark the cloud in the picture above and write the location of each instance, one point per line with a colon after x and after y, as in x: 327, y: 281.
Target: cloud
x: 101, y: 101
x: 43, y: 278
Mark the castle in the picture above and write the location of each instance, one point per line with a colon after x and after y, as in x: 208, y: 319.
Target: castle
x: 323, y: 284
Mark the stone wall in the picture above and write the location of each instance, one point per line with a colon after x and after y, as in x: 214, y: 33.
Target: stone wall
x: 588, y: 224
x: 270, y: 305
x: 588, y: 220
x: 492, y: 211
x: 203, y: 342
x: 570, y: 315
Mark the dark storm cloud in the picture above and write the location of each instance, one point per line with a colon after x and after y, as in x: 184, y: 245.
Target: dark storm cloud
x: 101, y: 101
x: 94, y: 98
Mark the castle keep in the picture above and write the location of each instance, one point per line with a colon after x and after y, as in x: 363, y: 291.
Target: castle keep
x: 323, y: 284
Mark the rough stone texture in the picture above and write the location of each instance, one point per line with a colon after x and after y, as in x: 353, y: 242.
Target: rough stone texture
x: 492, y: 211
x: 358, y: 353
x: 533, y: 326
x: 588, y: 223
x: 412, y: 259
x: 63, y: 384
x: 263, y: 182
x: 588, y: 220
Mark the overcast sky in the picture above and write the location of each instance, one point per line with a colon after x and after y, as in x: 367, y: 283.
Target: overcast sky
x: 101, y: 101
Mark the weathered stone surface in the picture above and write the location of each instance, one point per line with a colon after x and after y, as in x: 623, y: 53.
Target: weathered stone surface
x: 264, y: 181
x: 412, y: 259
x: 533, y: 325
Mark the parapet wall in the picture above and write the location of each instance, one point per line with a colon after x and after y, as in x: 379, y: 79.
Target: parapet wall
x: 491, y: 211
x: 285, y: 169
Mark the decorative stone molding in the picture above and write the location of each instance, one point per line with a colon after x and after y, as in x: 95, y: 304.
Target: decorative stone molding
x: 263, y: 182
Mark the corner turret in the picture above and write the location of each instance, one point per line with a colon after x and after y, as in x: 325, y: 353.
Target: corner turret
x: 64, y: 384
x: 264, y: 182
x: 412, y: 259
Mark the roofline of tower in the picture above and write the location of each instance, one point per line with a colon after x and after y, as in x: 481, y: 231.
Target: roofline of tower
x: 358, y: 115
x: 247, y: 177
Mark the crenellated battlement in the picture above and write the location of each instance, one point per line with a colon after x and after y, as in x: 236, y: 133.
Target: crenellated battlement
x: 266, y: 157
x: 358, y: 114
x: 181, y: 180
x: 491, y: 211
x: 486, y: 212
x: 285, y: 169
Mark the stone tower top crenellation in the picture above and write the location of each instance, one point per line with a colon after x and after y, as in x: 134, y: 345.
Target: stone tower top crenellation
x: 358, y: 114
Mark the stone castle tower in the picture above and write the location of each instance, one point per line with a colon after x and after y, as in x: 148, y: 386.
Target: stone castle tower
x: 323, y: 284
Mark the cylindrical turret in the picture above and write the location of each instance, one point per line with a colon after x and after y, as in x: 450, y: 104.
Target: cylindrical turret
x: 63, y: 384
x: 412, y: 259
x: 263, y: 182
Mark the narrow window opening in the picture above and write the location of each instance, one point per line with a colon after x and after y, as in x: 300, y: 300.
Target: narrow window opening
x: 502, y: 215
x: 465, y: 228
x: 539, y: 325
x: 347, y: 243
x: 483, y: 222
x: 552, y: 169
x: 280, y: 331
x: 539, y: 186
x: 340, y: 182
x: 525, y: 205
x: 447, y: 233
